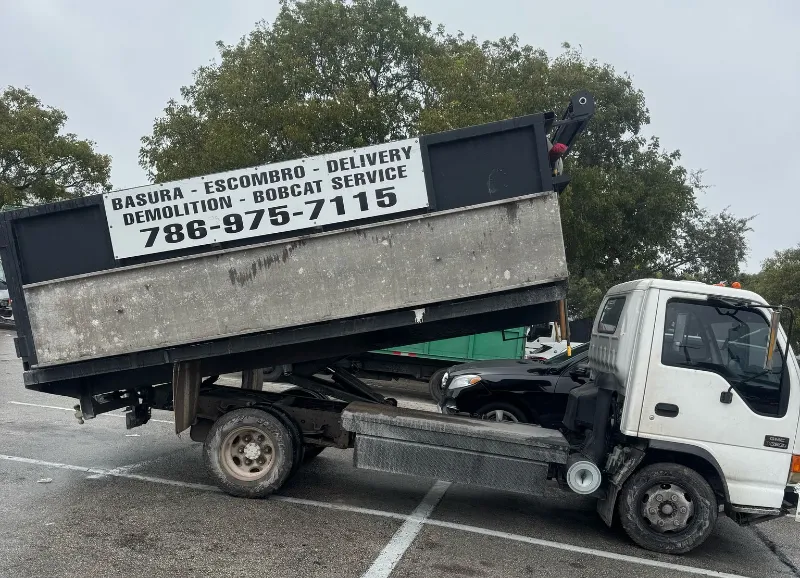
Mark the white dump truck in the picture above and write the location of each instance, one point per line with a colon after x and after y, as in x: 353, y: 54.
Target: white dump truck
x: 140, y: 299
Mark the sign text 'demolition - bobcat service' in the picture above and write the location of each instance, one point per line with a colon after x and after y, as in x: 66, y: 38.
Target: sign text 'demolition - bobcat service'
x: 286, y: 196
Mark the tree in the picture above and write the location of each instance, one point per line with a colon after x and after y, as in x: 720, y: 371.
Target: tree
x: 779, y: 283
x: 703, y: 247
x: 333, y: 74
x: 631, y: 210
x: 327, y: 75
x: 39, y: 164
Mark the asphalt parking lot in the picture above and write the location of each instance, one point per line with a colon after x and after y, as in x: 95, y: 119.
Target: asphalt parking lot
x: 98, y: 500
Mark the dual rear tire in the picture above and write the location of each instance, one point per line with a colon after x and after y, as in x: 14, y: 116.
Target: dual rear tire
x: 251, y: 452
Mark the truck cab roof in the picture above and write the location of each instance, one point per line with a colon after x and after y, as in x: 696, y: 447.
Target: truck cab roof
x: 687, y: 287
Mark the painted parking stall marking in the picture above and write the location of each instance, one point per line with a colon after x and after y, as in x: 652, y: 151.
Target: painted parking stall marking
x: 390, y: 556
x: 395, y: 548
x: 263, y: 200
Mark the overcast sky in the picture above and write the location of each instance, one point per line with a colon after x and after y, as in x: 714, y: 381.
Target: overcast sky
x: 721, y: 78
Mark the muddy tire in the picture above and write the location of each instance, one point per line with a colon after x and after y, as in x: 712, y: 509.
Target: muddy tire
x: 435, y: 385
x: 667, y: 508
x: 249, y: 453
x: 297, y: 437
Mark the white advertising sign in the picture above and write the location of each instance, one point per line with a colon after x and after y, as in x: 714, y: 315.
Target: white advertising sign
x: 299, y: 194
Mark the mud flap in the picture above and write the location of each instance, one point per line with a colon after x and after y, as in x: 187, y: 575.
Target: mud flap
x: 631, y: 458
x: 797, y: 509
x: 185, y: 392
x: 605, y: 507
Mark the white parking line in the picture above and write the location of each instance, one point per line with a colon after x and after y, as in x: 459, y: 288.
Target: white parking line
x: 391, y: 554
x: 52, y: 464
x: 72, y: 410
x: 582, y: 550
x: 418, y: 516
x: 339, y: 507
x: 115, y: 471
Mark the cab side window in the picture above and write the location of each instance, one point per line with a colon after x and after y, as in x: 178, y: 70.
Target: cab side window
x: 612, y: 311
x: 728, y: 341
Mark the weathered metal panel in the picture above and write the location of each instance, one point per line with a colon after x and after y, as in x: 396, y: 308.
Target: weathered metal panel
x: 522, y: 441
x: 452, y: 465
x: 407, y: 263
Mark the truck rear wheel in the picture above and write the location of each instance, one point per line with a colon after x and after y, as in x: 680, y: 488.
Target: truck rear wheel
x: 249, y: 453
x: 435, y: 385
x: 668, y: 508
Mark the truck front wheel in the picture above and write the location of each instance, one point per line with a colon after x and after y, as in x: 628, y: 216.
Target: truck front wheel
x: 249, y: 452
x: 668, y: 508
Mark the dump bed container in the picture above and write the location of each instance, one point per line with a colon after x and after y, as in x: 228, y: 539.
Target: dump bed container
x: 429, y: 238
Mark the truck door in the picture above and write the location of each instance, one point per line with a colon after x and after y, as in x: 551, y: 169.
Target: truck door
x: 702, y: 348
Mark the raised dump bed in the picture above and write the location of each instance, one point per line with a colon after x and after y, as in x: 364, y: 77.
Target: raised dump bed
x: 505, y: 456
x: 311, y: 259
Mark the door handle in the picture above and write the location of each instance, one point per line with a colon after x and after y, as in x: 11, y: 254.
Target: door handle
x: 666, y: 409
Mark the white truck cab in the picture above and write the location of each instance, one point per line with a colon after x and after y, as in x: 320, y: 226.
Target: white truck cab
x: 688, y: 365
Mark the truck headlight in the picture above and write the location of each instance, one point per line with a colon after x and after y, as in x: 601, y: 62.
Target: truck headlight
x: 464, y: 381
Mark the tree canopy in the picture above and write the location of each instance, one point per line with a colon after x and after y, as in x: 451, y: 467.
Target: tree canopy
x: 332, y: 74
x: 779, y: 283
x: 38, y: 163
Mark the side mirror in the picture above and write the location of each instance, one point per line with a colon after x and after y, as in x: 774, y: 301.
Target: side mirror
x: 774, y: 324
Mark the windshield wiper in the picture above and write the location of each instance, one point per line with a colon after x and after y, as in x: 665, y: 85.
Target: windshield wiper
x: 727, y: 396
x: 747, y: 380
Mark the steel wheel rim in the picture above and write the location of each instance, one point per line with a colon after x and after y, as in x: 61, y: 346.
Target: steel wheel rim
x: 500, y: 415
x: 247, y: 453
x: 667, y: 507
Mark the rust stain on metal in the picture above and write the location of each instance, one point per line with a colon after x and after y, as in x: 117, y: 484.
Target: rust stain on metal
x: 383, y: 240
x: 241, y: 278
x: 511, y: 210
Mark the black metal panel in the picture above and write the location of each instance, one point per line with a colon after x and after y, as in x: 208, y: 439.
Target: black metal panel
x: 63, y: 243
x: 9, y: 254
x: 488, y: 162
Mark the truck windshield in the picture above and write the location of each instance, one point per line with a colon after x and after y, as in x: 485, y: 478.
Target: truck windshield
x: 729, y: 341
